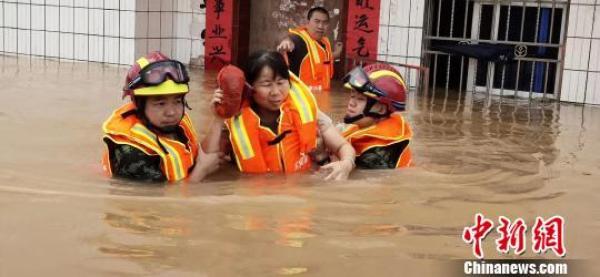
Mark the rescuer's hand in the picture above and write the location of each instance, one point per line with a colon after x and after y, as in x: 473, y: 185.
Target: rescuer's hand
x: 286, y: 45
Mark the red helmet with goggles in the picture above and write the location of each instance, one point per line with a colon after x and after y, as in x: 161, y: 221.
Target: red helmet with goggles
x: 380, y: 82
x: 156, y: 74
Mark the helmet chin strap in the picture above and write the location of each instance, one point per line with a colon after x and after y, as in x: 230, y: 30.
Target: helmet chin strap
x: 168, y: 129
x: 186, y: 105
x: 161, y: 130
x: 366, y: 113
x: 352, y: 119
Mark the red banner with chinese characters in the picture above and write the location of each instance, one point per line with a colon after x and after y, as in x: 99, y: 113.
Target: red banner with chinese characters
x: 362, y: 29
x: 218, y: 43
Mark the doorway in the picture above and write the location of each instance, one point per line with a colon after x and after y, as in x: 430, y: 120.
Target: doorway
x: 263, y: 24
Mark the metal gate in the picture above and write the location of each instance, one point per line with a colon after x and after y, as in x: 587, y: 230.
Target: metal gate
x: 504, y: 47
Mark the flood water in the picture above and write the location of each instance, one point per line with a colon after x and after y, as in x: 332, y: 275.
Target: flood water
x: 59, y: 215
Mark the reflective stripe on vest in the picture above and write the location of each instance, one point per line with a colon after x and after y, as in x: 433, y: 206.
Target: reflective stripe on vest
x: 301, y: 99
x: 151, y: 138
x: 311, y: 46
x: 314, y: 49
x: 240, y: 137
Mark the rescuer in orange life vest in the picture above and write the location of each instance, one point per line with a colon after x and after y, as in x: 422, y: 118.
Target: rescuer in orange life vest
x: 311, y: 57
x: 277, y: 127
x: 373, y: 123
x: 152, y: 138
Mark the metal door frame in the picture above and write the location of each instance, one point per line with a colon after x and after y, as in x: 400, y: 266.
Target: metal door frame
x: 433, y: 34
x: 478, y: 5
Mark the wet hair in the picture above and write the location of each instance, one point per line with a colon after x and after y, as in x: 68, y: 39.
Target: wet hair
x: 262, y: 58
x: 317, y: 9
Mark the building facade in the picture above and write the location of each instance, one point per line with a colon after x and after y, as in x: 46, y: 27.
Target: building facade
x: 554, y: 44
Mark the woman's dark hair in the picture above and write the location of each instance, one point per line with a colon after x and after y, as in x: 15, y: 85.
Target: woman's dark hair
x: 259, y: 59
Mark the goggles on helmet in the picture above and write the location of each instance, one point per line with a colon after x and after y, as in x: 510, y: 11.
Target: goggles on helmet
x: 359, y: 81
x: 157, y: 72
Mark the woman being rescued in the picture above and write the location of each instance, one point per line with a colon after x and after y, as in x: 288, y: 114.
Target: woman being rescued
x: 279, y: 123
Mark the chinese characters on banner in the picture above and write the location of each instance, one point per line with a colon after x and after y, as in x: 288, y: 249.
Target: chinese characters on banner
x: 219, y: 36
x: 362, y: 29
x: 545, y: 235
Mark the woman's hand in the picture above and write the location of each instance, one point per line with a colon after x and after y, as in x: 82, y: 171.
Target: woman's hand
x: 216, y: 99
x: 336, y: 144
x: 212, y: 142
x: 339, y: 170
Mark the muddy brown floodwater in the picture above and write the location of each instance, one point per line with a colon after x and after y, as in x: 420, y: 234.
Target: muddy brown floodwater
x: 59, y: 215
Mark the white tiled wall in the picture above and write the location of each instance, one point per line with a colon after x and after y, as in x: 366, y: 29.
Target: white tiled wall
x: 118, y: 31
x: 172, y: 26
x: 68, y: 29
x: 581, y: 76
x: 110, y: 31
x: 401, y: 32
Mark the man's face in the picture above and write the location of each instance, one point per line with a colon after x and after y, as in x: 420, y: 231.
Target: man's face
x: 164, y: 111
x: 318, y: 24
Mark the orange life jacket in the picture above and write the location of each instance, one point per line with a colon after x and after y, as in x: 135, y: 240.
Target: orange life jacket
x: 386, y: 132
x: 177, y: 158
x: 298, y: 125
x: 316, y: 68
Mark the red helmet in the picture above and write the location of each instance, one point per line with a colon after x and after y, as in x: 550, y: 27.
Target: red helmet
x: 388, y: 79
x: 156, y: 74
x: 381, y: 82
